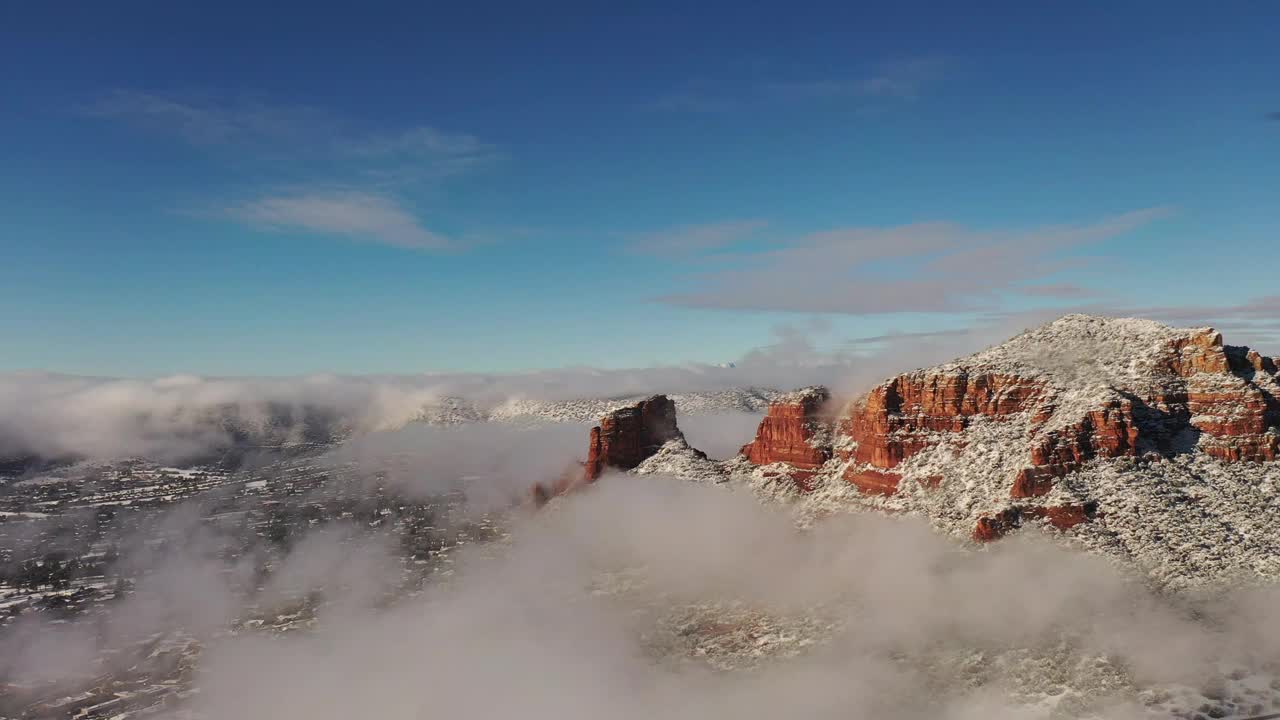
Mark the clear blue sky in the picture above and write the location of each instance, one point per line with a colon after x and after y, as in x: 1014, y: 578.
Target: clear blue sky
x: 287, y: 188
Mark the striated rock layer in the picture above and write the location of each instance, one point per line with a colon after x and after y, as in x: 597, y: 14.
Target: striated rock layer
x: 628, y: 436
x: 1078, y: 389
x: 624, y: 439
x: 1035, y: 430
x: 793, y: 433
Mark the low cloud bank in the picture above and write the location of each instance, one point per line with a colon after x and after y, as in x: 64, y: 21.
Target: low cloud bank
x: 547, y: 629
x: 597, y: 607
x: 181, y: 417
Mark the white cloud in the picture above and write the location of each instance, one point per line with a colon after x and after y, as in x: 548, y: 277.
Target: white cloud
x: 361, y: 216
x: 924, y: 267
x: 296, y: 146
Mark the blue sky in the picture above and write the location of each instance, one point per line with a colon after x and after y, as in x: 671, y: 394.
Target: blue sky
x: 243, y: 189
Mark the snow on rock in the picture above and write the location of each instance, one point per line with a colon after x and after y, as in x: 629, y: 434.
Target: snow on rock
x: 677, y: 458
x: 628, y: 436
x: 793, y: 434
x: 1153, y: 445
x: 526, y: 411
x: 624, y: 440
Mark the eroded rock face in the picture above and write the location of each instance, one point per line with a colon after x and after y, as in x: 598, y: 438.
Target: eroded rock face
x: 1061, y: 517
x: 795, y: 433
x: 1108, y: 431
x: 624, y: 438
x: 904, y: 415
x: 873, y: 482
x: 911, y: 412
x: 629, y: 436
x: 1002, y: 427
x: 1185, y: 389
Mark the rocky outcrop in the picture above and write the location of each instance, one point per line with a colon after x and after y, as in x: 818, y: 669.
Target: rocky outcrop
x: 904, y: 415
x: 873, y: 482
x: 1160, y: 391
x: 1061, y: 517
x: 629, y: 436
x: 624, y: 438
x: 1108, y: 431
x: 795, y: 434
x: 1000, y: 428
x: 911, y: 412
x: 1223, y: 395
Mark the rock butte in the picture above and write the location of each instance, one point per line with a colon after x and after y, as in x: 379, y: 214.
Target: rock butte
x: 1084, y: 387
x: 792, y: 432
x: 624, y: 438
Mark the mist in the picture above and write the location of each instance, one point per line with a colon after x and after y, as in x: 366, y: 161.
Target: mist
x: 565, y: 622
x: 188, y: 418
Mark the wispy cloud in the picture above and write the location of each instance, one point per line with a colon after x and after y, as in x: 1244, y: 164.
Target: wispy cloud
x: 690, y: 239
x: 901, y: 80
x: 356, y: 215
x: 928, y: 267
x: 898, y: 80
x: 417, y: 141
x: 204, y: 121
x: 309, y: 151
x: 309, y: 136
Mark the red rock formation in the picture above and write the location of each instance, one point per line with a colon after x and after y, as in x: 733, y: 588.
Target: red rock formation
x: 1198, y: 352
x: 1158, y: 390
x: 899, y: 418
x: 905, y: 415
x: 629, y: 436
x: 1061, y: 517
x: 1225, y: 394
x: 1109, y: 431
x: 996, y: 526
x: 792, y: 433
x: 1229, y: 396
x: 1210, y: 387
x: 873, y: 482
x: 624, y: 438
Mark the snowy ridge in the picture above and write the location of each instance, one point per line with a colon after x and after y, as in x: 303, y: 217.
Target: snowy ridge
x: 1181, y: 518
x: 1084, y: 351
x: 528, y: 411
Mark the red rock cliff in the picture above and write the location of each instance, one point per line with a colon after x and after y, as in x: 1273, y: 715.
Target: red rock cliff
x: 624, y: 438
x: 793, y: 432
x: 628, y: 436
x: 1084, y: 388
x: 909, y: 413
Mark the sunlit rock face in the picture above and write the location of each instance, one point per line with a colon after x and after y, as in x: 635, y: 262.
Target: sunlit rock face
x: 1183, y: 384
x: 624, y: 439
x: 1076, y: 390
x: 629, y: 436
x: 793, y: 433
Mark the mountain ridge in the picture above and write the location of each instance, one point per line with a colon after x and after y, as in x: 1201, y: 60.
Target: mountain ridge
x: 1154, y: 445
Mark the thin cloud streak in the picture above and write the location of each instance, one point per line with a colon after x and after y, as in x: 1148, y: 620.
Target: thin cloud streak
x: 901, y: 80
x: 206, y: 123
x: 898, y: 81
x: 924, y: 267
x: 305, y: 152
x: 360, y: 216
